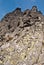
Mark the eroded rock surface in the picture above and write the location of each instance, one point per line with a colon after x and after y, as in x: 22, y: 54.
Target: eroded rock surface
x: 22, y: 38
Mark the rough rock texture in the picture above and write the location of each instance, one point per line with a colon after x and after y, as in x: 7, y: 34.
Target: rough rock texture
x: 22, y: 38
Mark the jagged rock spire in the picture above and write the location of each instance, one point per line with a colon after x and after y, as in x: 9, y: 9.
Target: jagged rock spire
x: 17, y: 10
x: 34, y: 9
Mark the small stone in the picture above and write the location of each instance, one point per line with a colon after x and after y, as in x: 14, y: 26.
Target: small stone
x: 23, y: 55
x: 5, y: 45
x: 1, y: 62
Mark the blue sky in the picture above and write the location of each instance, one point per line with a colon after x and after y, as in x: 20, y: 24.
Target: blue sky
x: 9, y: 5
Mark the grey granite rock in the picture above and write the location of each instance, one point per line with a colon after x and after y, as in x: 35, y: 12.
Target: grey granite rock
x: 22, y: 38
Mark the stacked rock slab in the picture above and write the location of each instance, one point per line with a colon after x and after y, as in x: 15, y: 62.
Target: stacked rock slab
x: 23, y: 42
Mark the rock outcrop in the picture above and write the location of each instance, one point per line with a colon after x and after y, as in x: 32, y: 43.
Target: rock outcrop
x: 22, y: 38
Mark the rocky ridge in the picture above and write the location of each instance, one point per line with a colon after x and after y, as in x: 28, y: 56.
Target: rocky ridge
x: 22, y: 38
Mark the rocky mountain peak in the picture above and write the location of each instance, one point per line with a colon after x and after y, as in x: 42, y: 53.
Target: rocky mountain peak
x: 22, y: 38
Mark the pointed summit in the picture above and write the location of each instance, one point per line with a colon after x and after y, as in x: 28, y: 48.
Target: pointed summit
x: 17, y: 10
x: 34, y: 9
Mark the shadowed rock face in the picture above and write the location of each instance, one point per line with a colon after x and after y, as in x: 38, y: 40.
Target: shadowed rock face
x: 22, y: 38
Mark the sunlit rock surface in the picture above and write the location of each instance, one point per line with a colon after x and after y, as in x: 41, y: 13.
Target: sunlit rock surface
x: 22, y: 38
